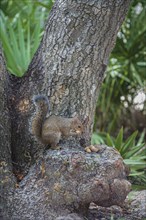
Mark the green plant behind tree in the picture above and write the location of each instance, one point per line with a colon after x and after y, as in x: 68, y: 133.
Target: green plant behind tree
x: 19, y: 48
x: 126, y: 73
x: 21, y: 28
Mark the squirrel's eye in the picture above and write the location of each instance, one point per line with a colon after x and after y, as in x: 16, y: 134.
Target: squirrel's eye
x: 79, y: 126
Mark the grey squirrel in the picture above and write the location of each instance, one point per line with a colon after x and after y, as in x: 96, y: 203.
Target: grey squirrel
x: 49, y: 130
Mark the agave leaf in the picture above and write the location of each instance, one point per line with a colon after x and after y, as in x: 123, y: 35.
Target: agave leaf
x: 136, y: 75
x: 13, y: 39
x: 22, y: 44
x: 137, y: 28
x: 141, y: 139
x: 138, y: 157
x: 132, y: 162
x: 9, y: 55
x: 28, y: 43
x: 129, y: 143
x: 122, y: 76
x: 138, y: 188
x: 97, y: 139
x: 119, y: 139
x: 36, y: 37
x: 120, y: 50
x: 109, y: 141
x: 133, y: 151
x: 136, y: 173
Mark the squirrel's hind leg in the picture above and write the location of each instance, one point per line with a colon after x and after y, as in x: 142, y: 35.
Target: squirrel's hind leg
x: 54, y: 141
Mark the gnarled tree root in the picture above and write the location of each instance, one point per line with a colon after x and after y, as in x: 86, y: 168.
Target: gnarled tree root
x: 67, y: 181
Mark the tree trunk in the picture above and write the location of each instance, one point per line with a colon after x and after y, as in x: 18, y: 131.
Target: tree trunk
x: 68, y: 68
x: 6, y: 176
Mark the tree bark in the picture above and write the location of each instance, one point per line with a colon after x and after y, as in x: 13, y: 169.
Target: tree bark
x: 132, y: 209
x: 7, y: 178
x: 67, y: 181
x: 68, y: 68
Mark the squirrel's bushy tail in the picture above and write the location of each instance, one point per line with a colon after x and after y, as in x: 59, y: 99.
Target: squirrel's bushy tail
x: 42, y: 108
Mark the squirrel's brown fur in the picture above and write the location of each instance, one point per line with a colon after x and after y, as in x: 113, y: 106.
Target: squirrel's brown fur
x: 50, y: 130
x: 42, y: 106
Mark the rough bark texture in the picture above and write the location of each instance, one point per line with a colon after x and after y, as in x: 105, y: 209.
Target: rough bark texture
x: 134, y: 208
x: 5, y: 131
x: 65, y: 181
x: 7, y: 179
x: 69, y: 68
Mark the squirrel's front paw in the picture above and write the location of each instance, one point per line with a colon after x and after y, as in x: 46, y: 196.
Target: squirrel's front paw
x: 91, y: 148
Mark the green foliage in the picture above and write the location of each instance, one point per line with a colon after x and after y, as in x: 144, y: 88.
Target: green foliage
x: 132, y: 151
x: 18, y: 48
x: 21, y: 28
x: 125, y: 75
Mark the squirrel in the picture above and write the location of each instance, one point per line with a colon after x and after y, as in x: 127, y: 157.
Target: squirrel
x: 50, y: 130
